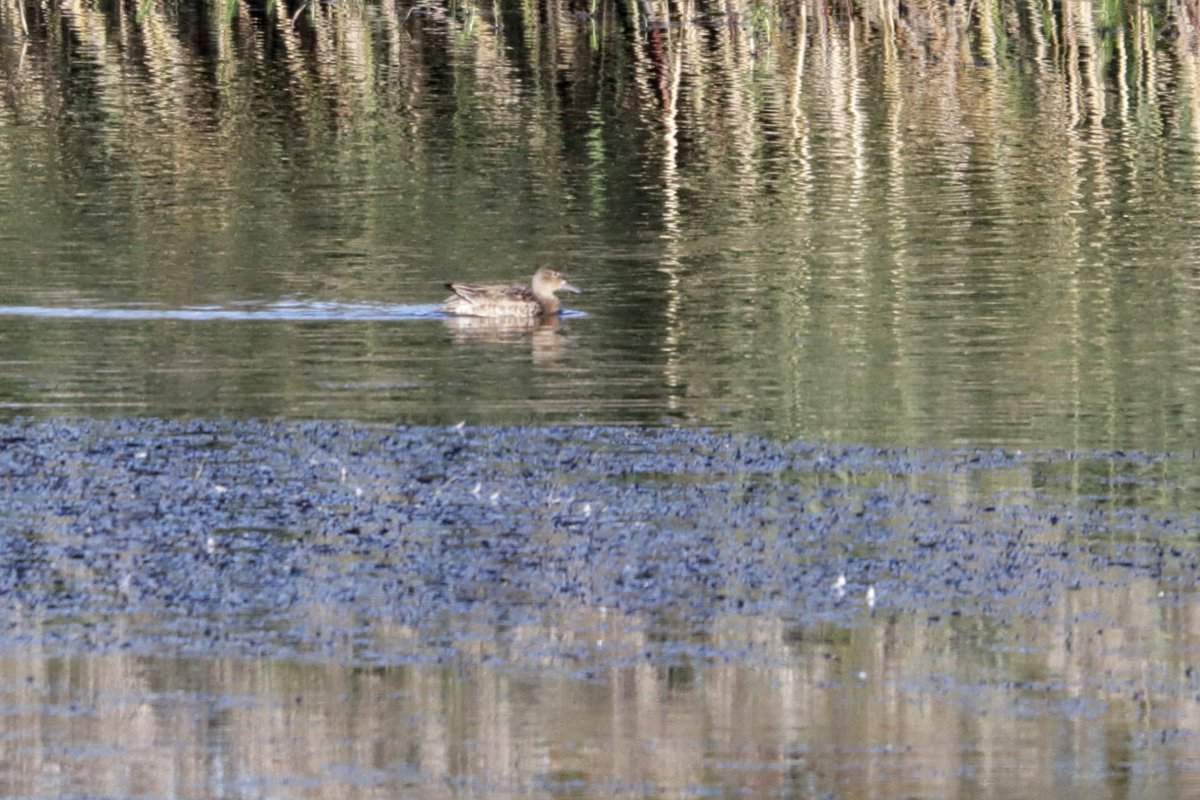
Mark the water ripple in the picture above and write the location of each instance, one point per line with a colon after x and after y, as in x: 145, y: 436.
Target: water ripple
x: 284, y: 311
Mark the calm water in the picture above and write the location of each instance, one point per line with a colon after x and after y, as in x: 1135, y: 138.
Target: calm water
x: 812, y: 227
x: 947, y: 226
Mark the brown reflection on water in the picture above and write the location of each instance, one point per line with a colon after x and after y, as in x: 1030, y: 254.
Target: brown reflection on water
x: 1097, y: 700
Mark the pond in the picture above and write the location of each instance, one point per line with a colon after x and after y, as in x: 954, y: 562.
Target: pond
x: 953, y: 249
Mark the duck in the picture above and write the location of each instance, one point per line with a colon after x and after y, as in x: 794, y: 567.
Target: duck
x: 510, y: 300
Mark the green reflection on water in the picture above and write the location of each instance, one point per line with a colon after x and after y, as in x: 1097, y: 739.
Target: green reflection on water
x: 932, y: 228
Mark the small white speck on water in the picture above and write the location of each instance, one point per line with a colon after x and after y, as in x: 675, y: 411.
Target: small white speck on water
x: 871, y: 596
x: 495, y: 496
x: 478, y: 488
x: 459, y: 427
x: 140, y: 455
x: 210, y: 545
x: 220, y: 488
x: 587, y: 509
x: 839, y: 586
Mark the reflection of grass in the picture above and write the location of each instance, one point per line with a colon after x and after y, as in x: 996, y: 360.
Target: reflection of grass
x: 1046, y: 21
x: 1112, y: 13
x: 730, y: 103
x: 1000, y: 43
x: 996, y: 28
x: 466, y: 17
x: 761, y: 18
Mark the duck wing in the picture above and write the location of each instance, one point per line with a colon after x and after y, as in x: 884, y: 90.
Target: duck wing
x: 485, y: 292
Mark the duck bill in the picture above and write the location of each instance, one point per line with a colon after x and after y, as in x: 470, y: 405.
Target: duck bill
x: 568, y: 287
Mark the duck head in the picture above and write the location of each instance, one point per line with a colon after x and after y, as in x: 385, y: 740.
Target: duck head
x: 547, y: 281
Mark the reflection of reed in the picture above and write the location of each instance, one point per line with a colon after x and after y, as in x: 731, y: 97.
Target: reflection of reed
x: 700, y: 64
x: 860, y: 712
x: 717, y: 121
x: 350, y: 43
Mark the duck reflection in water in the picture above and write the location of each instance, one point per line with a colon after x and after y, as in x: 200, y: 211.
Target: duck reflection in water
x: 543, y: 334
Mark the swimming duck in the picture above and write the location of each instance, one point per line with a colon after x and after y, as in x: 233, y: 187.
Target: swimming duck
x: 510, y: 300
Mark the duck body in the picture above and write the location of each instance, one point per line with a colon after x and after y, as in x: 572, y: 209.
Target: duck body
x: 510, y: 300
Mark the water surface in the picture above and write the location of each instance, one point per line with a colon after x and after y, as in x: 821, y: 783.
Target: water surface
x: 903, y: 229
x: 888, y: 229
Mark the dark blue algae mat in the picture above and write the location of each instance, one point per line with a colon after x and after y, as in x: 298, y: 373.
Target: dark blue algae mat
x: 235, y: 537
